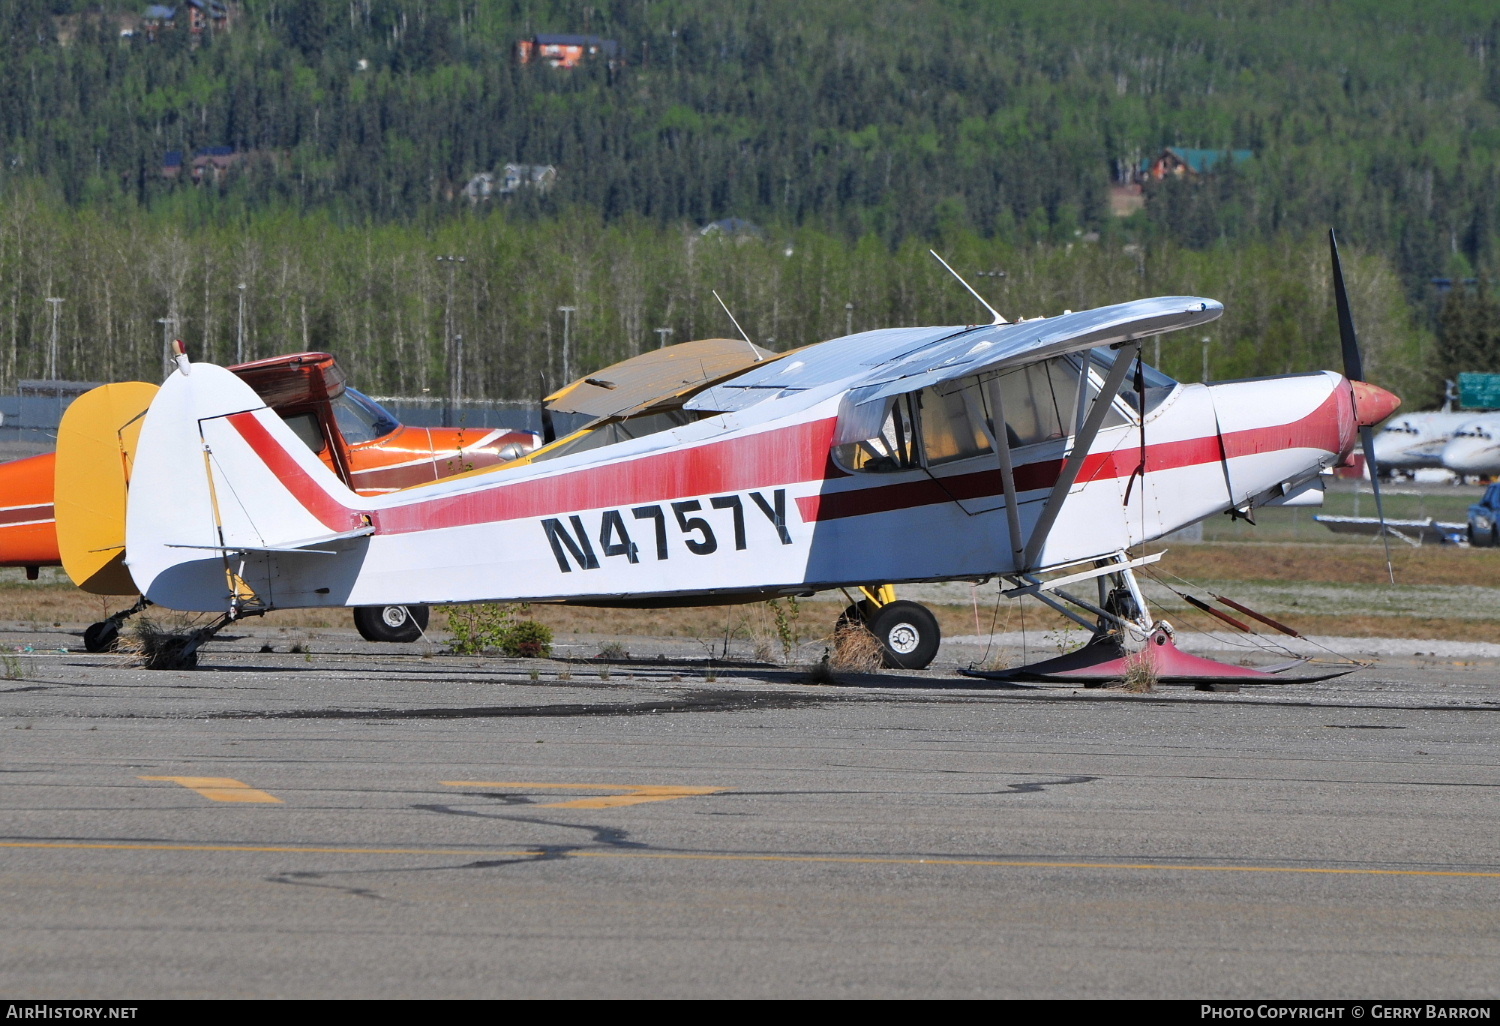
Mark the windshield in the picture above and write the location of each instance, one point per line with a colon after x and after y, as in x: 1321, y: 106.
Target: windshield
x: 361, y: 418
x: 1158, y: 385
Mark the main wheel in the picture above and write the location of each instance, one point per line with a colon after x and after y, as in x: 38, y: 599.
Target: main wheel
x: 397, y: 624
x: 908, y: 634
x: 101, y: 636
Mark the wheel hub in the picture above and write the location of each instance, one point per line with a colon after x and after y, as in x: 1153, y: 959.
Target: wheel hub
x: 394, y: 616
x: 904, y: 638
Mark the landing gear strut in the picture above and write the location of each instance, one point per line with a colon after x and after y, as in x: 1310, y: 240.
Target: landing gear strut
x: 102, y: 636
x: 908, y: 633
x: 1126, y: 640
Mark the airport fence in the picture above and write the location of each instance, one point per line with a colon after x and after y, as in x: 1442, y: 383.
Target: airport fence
x: 29, y: 418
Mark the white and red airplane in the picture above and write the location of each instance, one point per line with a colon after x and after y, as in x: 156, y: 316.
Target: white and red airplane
x: 1023, y: 450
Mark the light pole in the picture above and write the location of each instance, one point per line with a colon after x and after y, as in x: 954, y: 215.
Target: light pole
x: 661, y: 334
x: 52, y: 345
x: 452, y: 261
x: 848, y: 318
x: 567, y: 312
x: 456, y: 386
x: 166, y: 344
x: 239, y: 337
x: 1205, y: 359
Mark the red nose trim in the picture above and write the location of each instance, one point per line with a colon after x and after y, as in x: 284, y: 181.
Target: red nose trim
x: 1372, y: 404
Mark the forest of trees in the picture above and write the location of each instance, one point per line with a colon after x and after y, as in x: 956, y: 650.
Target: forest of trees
x: 855, y: 135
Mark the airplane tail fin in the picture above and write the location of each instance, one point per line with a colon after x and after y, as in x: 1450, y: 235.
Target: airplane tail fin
x: 219, y: 477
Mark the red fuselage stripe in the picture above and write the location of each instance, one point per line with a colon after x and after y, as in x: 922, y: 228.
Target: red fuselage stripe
x: 331, y: 513
x: 26, y: 514
x: 768, y: 459
x: 1321, y: 429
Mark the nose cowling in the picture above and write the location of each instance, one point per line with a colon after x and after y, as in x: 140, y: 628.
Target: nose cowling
x: 1372, y: 404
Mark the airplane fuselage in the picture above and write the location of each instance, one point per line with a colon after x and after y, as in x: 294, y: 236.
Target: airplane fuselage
x: 1474, y: 447
x: 719, y: 508
x: 1416, y: 441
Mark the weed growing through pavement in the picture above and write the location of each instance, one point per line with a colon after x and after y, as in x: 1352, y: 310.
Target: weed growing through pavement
x: 1140, y: 673
x: 786, y: 622
x: 504, y: 627
x: 613, y: 651
x: 156, y: 646
x: 855, y: 648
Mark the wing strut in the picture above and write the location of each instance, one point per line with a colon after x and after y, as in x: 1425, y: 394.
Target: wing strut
x: 1081, y: 444
x: 1000, y: 439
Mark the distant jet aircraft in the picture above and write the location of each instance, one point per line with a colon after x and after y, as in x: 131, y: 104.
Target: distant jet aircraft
x: 1474, y: 449
x: 1416, y: 441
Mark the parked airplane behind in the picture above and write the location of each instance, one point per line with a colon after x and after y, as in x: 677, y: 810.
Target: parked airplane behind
x: 1474, y: 448
x: 1415, y: 441
x: 351, y: 434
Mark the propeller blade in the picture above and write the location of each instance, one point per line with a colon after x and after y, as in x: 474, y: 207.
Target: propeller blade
x: 1367, y: 441
x: 1354, y: 370
x: 1354, y: 366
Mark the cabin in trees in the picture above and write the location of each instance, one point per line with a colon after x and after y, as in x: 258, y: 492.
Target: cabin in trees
x: 564, y: 51
x: 195, y: 15
x: 208, y: 164
x: 213, y: 164
x: 732, y: 228
x: 1127, y: 192
x: 1181, y: 162
x: 509, y: 180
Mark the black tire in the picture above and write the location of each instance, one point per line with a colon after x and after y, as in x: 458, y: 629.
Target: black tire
x: 101, y: 636
x: 908, y: 634
x: 857, y: 613
x: 396, y: 624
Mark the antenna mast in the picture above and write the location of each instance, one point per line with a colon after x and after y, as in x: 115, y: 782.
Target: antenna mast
x: 754, y: 352
x: 998, y: 319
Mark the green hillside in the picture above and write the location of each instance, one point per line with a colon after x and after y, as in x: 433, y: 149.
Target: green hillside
x: 991, y: 128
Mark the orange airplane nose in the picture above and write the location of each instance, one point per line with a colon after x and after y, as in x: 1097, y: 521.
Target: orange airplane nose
x: 1372, y: 404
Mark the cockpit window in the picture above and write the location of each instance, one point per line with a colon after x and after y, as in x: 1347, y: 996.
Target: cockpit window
x: 895, y: 448
x: 360, y: 418
x: 956, y: 420
x: 306, y: 427
x: 610, y: 432
x: 1158, y: 385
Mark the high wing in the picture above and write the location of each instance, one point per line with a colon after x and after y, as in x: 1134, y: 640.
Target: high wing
x: 652, y: 377
x: 874, y: 365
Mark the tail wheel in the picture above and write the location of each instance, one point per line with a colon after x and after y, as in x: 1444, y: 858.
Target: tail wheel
x: 398, y: 624
x: 908, y: 634
x: 101, y: 636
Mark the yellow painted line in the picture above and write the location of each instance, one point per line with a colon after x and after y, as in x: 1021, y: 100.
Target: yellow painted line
x: 635, y: 794
x: 857, y: 860
x: 221, y: 789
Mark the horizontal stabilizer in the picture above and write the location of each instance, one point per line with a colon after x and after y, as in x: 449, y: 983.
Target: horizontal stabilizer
x: 302, y: 546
